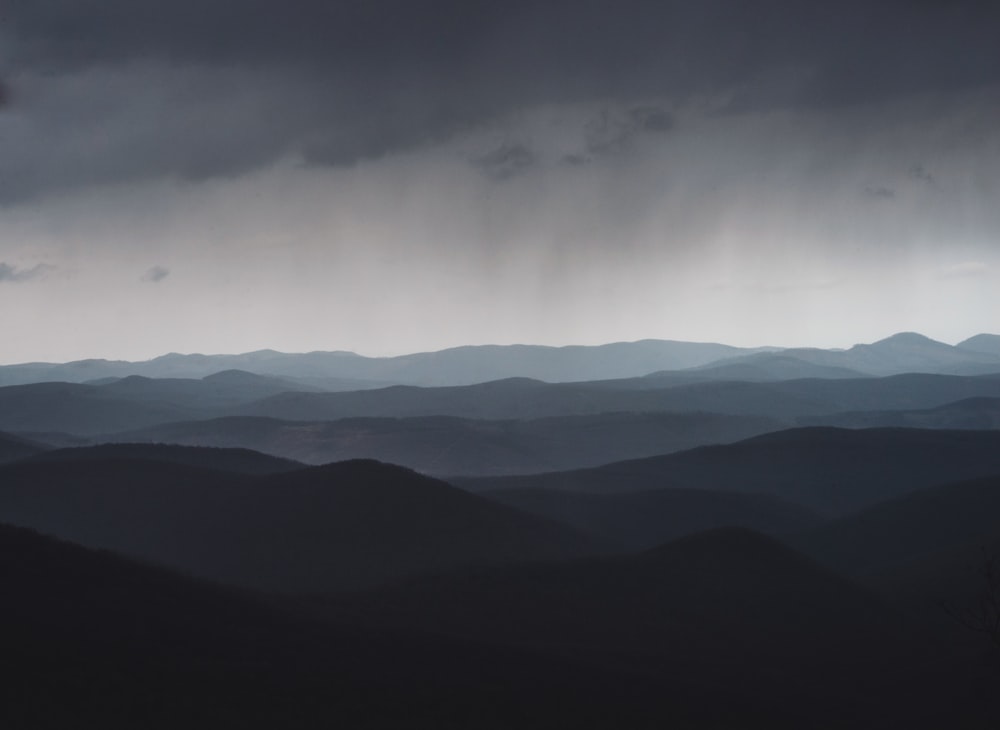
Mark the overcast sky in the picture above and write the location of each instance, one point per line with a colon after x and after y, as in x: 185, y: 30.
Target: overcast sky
x: 387, y: 176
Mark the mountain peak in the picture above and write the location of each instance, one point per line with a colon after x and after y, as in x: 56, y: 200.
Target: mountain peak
x: 908, y: 339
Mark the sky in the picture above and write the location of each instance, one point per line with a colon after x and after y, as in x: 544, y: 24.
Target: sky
x: 392, y: 176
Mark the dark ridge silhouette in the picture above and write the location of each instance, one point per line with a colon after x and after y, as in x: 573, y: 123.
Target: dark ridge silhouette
x: 732, y: 608
x: 907, y: 529
x: 239, y: 461
x: 448, y: 446
x: 833, y: 471
x: 338, y: 527
x: 93, y: 639
x: 813, y: 397
x: 969, y: 413
x: 14, y: 447
x: 640, y: 520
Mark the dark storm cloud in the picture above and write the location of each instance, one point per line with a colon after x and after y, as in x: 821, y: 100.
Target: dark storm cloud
x: 505, y: 161
x: 336, y: 82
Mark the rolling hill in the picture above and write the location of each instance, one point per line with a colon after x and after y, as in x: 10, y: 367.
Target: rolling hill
x: 237, y: 461
x: 448, y: 446
x: 641, y: 520
x: 338, y: 527
x: 908, y: 529
x: 14, y: 447
x: 969, y: 413
x: 103, y: 641
x: 832, y: 471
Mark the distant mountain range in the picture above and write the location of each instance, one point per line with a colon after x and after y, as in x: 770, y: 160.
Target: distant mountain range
x: 901, y: 353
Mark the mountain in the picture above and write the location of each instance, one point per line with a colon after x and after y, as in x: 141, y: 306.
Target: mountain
x: 237, y: 461
x: 766, y: 366
x: 78, y: 409
x: 338, y: 527
x: 520, y: 398
x: 905, y: 352
x: 988, y: 344
x: 338, y: 370
x: 220, y: 390
x: 455, y: 366
x: 640, y: 520
x: 832, y: 471
x: 969, y: 413
x: 14, y: 447
x: 449, y: 446
x: 103, y: 641
x: 731, y: 607
x: 909, y: 528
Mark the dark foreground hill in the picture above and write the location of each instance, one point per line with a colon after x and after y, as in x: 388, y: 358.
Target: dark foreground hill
x: 640, y: 520
x: 337, y: 527
x: 14, y: 447
x: 446, y: 445
x: 908, y: 529
x: 94, y: 640
x: 833, y: 471
x: 720, y: 598
x: 728, y: 608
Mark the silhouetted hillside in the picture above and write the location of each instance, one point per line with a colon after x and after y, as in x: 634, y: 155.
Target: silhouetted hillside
x: 640, y: 520
x: 723, y: 604
x: 78, y: 409
x: 336, y: 527
x: 96, y: 640
x: 448, y: 446
x: 833, y: 471
x: 139, y: 403
x: 239, y: 461
x: 970, y: 413
x: 910, y: 528
x: 220, y: 390
x: 14, y: 447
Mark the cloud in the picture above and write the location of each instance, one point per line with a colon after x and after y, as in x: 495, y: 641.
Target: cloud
x: 156, y: 274
x: 880, y: 192
x: 14, y: 274
x: 122, y: 90
x: 506, y: 161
